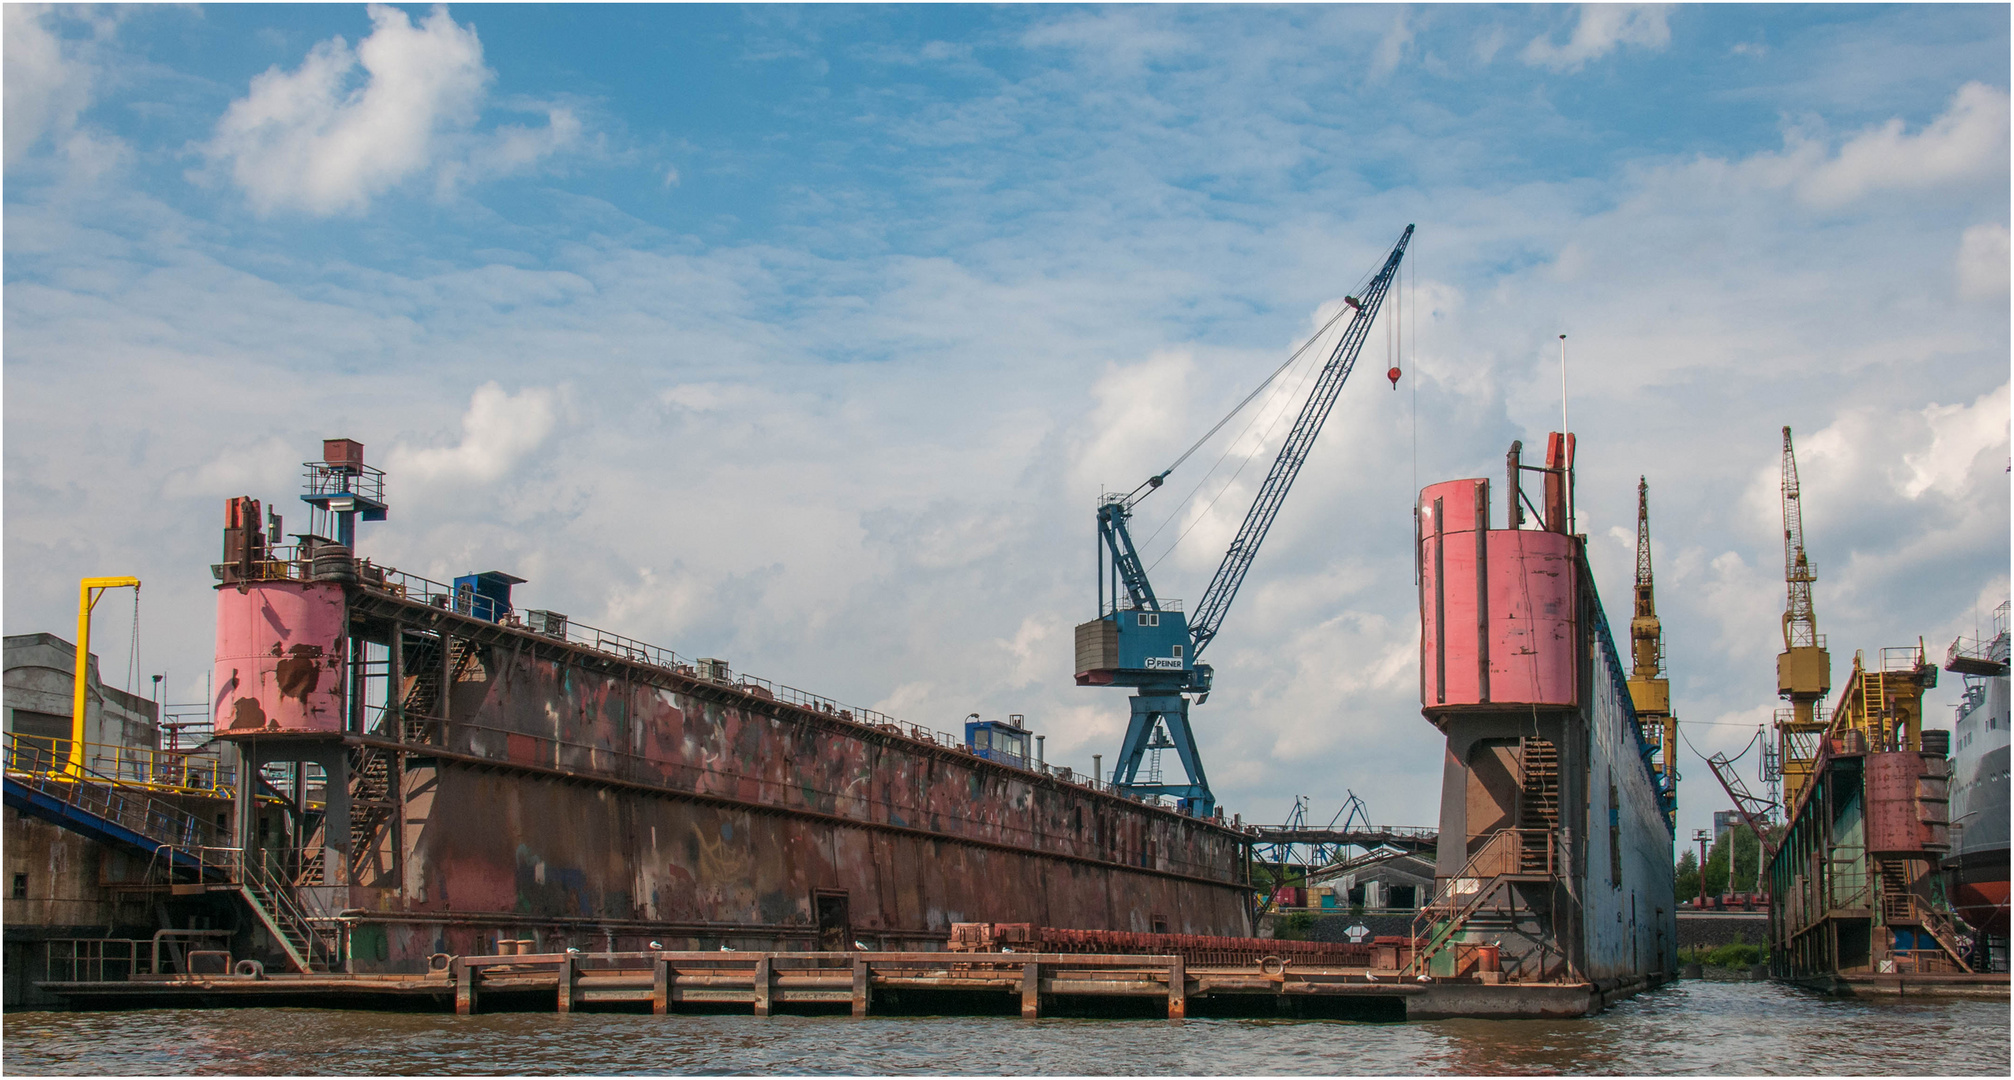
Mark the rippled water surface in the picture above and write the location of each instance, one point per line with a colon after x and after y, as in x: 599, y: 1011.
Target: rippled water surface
x: 1693, y: 1027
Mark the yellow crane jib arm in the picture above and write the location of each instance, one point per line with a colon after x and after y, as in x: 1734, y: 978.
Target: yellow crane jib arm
x: 88, y: 591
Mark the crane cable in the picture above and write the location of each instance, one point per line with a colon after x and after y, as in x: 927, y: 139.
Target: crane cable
x: 1725, y: 761
x: 1148, y: 485
x: 1242, y: 466
x: 1151, y: 483
x: 133, y: 646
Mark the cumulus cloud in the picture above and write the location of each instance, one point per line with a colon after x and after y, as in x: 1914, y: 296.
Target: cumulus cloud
x: 1982, y: 263
x: 1601, y: 29
x: 1958, y: 435
x: 498, y: 431
x: 349, y: 124
x: 1968, y: 141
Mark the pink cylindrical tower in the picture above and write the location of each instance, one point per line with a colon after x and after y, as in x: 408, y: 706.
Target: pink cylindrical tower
x: 279, y: 657
x: 1496, y: 607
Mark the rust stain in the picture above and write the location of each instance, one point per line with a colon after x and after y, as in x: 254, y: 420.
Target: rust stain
x: 298, y: 673
x: 246, y: 715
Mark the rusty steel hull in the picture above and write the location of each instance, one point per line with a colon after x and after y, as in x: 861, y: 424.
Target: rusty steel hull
x: 570, y: 797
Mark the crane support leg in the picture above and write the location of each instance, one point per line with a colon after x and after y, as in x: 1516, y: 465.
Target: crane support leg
x: 1151, y: 711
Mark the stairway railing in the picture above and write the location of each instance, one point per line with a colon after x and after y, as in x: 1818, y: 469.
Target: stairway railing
x: 1501, y: 859
x: 265, y: 884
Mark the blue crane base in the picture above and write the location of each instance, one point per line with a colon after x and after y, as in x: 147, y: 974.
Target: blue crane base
x: 1152, y: 709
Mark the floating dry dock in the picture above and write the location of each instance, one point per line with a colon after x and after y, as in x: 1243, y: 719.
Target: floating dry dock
x: 418, y: 793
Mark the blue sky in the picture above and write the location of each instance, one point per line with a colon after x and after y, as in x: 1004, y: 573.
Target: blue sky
x: 807, y: 337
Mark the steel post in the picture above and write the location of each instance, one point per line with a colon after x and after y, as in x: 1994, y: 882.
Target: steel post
x: 762, y: 982
x: 1178, y: 989
x: 465, y: 986
x: 1031, y: 986
x: 860, y: 992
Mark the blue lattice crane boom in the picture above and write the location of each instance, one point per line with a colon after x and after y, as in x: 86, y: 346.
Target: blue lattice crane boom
x: 1146, y: 642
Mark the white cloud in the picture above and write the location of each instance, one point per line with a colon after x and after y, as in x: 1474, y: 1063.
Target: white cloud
x: 268, y: 465
x: 498, y: 431
x: 325, y: 140
x: 1969, y: 140
x: 1982, y: 263
x: 45, y: 90
x: 1601, y: 29
x: 50, y: 81
x: 1958, y: 435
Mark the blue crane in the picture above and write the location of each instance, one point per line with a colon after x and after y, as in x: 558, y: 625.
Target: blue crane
x: 1143, y: 641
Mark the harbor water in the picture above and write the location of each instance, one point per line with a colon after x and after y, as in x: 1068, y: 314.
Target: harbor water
x: 1688, y: 1028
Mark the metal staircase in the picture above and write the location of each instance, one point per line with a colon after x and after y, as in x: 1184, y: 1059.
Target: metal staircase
x: 1901, y: 907
x: 374, y: 770
x: 1538, y: 803
x: 1467, y: 902
x: 420, y: 711
x: 273, y: 900
x: 1527, y: 853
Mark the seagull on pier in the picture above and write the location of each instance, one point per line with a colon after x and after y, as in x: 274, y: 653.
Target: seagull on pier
x: 656, y: 945
x: 571, y: 951
x: 861, y: 945
x: 727, y: 948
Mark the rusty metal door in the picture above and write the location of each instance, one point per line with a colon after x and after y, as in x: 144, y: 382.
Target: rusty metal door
x: 835, y: 924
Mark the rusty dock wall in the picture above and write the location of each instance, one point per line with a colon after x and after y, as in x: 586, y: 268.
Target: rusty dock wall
x: 488, y: 781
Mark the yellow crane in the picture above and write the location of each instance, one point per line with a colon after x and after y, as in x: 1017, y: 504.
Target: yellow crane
x: 1649, y: 690
x: 88, y: 591
x: 1804, y: 668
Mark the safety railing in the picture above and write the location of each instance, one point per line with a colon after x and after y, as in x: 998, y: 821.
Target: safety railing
x: 1125, y: 603
x: 96, y: 959
x: 172, y: 772
x: 1907, y: 658
x: 345, y: 478
x: 34, y: 766
x: 1921, y: 962
x: 418, y: 589
x: 266, y: 876
x: 1458, y: 898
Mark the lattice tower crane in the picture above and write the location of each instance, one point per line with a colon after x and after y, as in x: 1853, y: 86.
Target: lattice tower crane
x: 1804, y: 668
x: 1144, y: 641
x: 1649, y: 690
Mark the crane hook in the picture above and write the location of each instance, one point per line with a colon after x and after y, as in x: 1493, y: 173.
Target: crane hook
x: 1393, y: 375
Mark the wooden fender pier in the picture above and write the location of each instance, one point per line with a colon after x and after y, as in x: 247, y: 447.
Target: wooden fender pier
x: 765, y: 981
